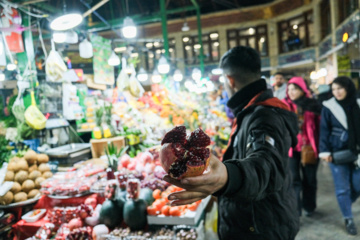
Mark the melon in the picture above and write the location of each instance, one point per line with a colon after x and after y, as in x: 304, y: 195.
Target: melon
x: 9, y: 176
x: 15, y: 188
x: 42, y: 158
x: 21, y: 176
x: 7, y: 198
x: 31, y: 157
x: 34, y: 175
x: 27, y: 186
x: 20, y: 197
x: 147, y: 195
x: 33, y: 193
x: 136, y: 208
x: 111, y: 213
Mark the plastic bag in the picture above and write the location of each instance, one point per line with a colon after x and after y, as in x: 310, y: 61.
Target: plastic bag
x: 135, y: 87
x: 55, y: 67
x: 122, y: 80
x: 33, y: 116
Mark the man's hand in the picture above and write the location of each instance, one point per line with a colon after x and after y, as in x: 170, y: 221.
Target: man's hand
x: 327, y: 158
x: 199, y: 187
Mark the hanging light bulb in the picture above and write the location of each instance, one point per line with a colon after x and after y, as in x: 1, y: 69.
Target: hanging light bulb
x: 114, y: 59
x: 196, y: 74
x: 217, y: 71
x: 71, y: 37
x: 11, y: 67
x: 129, y: 28
x: 156, y: 77
x: 85, y: 49
x: 142, y: 75
x: 178, y: 77
x: 59, y: 37
x: 163, y: 66
x: 185, y: 27
x: 66, y: 22
x: 222, y: 79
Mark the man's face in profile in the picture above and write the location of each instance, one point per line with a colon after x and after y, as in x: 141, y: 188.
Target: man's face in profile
x: 279, y: 80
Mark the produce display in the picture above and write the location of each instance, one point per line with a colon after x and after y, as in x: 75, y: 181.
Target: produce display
x: 71, y: 184
x: 182, y: 156
x: 26, y: 174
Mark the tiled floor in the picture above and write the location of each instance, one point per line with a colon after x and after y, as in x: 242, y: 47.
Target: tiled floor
x: 327, y: 222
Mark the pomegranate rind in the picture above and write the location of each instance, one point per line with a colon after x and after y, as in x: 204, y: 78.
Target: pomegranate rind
x: 167, y: 156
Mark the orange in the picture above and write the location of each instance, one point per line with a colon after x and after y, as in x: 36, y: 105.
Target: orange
x: 165, y: 210
x: 157, y: 194
x: 151, y: 211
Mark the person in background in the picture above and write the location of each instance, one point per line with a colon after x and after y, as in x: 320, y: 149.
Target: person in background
x: 340, y: 130
x: 279, y: 85
x: 308, y: 111
x: 253, y: 183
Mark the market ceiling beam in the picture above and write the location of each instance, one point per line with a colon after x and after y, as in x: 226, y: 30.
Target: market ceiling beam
x: 85, y: 14
x: 164, y: 27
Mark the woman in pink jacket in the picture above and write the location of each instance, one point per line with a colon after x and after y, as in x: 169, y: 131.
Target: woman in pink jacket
x: 308, y: 110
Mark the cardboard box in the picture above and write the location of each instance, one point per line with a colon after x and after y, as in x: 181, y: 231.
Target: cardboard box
x: 98, y: 146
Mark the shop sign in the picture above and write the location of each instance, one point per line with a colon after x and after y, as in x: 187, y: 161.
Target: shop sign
x: 297, y: 57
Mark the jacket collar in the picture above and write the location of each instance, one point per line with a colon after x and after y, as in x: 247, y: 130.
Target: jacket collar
x: 338, y: 112
x: 240, y: 99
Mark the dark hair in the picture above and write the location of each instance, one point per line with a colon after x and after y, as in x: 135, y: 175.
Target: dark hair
x: 296, y: 86
x: 346, y: 83
x: 242, y: 63
x: 280, y: 73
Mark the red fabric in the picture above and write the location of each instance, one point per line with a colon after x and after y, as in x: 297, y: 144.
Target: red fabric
x: 23, y: 229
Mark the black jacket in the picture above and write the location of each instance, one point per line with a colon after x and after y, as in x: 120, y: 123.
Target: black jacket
x: 258, y: 201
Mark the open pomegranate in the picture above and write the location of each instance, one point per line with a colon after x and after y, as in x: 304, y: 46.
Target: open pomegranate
x: 185, y: 156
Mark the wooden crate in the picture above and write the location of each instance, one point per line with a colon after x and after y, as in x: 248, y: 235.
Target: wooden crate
x: 98, y: 146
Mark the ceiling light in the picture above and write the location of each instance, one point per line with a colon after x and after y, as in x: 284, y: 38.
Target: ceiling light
x: 262, y: 39
x: 171, y: 50
x: 158, y: 51
x: 163, y: 66
x: 85, y: 49
x: 185, y: 27
x: 186, y: 39
x: 142, y: 75
x: 120, y: 49
x: 217, y: 71
x: 59, y: 37
x: 114, y: 59
x: 134, y: 55
x: 178, y: 77
x: 295, y: 27
x: 156, y: 44
x: 216, y: 44
x: 214, y: 35
x: 197, y: 46
x: 11, y: 67
x: 71, y: 37
x: 151, y: 55
x: 66, y: 22
x: 187, y: 48
x: 129, y: 29
x: 156, y: 77
x: 149, y: 45
x: 196, y: 74
x: 251, y: 31
x: 222, y: 79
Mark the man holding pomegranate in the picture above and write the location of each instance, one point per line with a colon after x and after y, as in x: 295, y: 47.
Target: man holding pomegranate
x: 252, y: 183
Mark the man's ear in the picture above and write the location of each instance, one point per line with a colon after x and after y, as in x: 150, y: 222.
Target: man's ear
x: 231, y: 81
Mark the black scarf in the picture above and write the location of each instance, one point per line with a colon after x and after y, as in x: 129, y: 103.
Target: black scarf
x: 308, y: 104
x: 352, y: 111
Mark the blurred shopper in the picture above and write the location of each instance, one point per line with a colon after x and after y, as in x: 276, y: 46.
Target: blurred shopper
x: 340, y: 130
x: 279, y: 85
x: 308, y: 110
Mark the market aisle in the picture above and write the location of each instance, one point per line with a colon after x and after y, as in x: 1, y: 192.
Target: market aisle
x: 327, y: 222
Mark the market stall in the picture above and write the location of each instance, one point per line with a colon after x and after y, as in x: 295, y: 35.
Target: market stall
x: 82, y: 131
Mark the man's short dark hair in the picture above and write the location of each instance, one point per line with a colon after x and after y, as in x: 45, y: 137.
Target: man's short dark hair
x: 280, y: 73
x: 241, y: 62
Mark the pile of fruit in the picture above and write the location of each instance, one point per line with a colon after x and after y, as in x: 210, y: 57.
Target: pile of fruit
x: 161, y: 205
x: 27, y: 174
